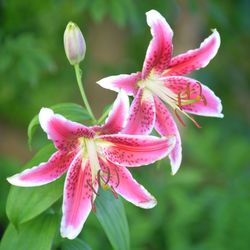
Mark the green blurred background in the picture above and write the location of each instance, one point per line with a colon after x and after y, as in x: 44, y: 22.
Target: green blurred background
x: 207, y: 204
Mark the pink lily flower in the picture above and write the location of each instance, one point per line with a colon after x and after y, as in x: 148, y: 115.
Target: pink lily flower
x: 93, y: 157
x: 162, y: 81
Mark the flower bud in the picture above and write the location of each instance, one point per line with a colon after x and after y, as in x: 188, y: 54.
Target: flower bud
x: 74, y: 44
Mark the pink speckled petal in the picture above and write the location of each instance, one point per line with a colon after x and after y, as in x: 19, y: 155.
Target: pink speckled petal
x: 141, y: 115
x: 77, y: 198
x: 209, y: 105
x: 159, y: 51
x: 44, y: 173
x: 195, y: 59
x: 165, y: 125
x: 134, y: 150
x: 117, y: 116
x: 123, y: 183
x: 61, y: 131
x: 125, y: 82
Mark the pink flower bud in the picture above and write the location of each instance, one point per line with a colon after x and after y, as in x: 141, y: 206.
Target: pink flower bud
x: 74, y: 44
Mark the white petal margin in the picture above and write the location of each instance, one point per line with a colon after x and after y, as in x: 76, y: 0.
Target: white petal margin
x: 165, y: 126
x: 44, y: 116
x: 76, y: 198
x: 45, y: 172
x: 125, y: 82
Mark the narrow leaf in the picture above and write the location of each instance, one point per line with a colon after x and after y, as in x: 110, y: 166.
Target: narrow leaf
x: 24, y: 203
x: 71, y: 111
x: 111, y: 214
x: 36, y: 234
x: 76, y: 244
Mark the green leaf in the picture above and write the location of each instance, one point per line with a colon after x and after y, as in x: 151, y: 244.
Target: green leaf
x: 98, y: 9
x: 36, y: 234
x: 71, y: 111
x: 76, y: 244
x: 111, y: 214
x: 24, y: 203
x: 118, y: 13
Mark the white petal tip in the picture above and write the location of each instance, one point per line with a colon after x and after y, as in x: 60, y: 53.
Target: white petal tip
x: 69, y: 232
x: 15, y: 180
x: 217, y: 37
x: 151, y: 12
x: 175, y: 163
x: 11, y: 180
x: 175, y: 167
x: 44, y: 116
x: 148, y: 204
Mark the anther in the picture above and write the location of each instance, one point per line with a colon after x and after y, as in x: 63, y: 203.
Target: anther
x: 93, y: 206
x: 204, y: 100
x: 200, y: 88
x: 187, y: 91
x: 114, y: 192
x: 118, y: 178
x: 179, y: 100
x: 195, y: 122
x: 100, y: 177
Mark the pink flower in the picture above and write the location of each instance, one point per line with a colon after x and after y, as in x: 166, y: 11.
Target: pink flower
x: 92, y: 157
x: 162, y: 80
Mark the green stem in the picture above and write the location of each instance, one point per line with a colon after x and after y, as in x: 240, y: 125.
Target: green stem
x: 84, y: 97
x: 104, y: 115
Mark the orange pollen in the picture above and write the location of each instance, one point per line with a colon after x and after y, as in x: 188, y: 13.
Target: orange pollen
x: 184, y: 96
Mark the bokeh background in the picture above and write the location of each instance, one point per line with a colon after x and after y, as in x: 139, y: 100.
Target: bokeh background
x: 207, y: 204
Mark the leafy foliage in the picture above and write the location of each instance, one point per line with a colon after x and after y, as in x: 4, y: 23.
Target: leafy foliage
x: 111, y: 214
x: 206, y: 205
x: 38, y: 233
x: 24, y: 204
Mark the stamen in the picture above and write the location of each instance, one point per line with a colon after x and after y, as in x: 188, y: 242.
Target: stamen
x: 179, y: 118
x: 118, y: 178
x: 114, y: 192
x: 91, y: 186
x: 100, y: 177
x: 195, y: 122
x: 187, y: 91
x: 93, y: 206
x: 200, y: 88
x: 204, y: 100
x: 108, y: 178
x: 179, y: 100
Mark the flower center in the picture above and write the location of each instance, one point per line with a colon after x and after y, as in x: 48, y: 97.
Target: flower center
x: 91, y: 154
x: 100, y: 177
x: 177, y: 100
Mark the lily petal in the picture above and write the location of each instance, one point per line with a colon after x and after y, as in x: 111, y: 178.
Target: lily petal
x: 77, y: 198
x: 125, y: 82
x: 195, y: 59
x: 159, y: 51
x: 209, y: 105
x: 118, y: 115
x: 61, y: 131
x: 44, y: 173
x: 134, y: 150
x: 165, y: 125
x: 142, y: 114
x: 124, y: 184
